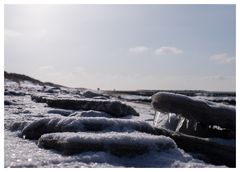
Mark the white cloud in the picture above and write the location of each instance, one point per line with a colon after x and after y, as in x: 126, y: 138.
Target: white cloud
x: 138, y: 49
x: 168, y: 51
x: 222, y: 58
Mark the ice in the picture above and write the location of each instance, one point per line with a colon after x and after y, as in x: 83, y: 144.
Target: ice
x: 162, y: 120
x: 195, y: 126
x: 180, y: 123
x: 187, y: 123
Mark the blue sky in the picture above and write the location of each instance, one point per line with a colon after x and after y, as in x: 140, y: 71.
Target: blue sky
x: 124, y: 46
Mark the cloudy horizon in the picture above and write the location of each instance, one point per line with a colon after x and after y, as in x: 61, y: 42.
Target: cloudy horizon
x: 124, y: 47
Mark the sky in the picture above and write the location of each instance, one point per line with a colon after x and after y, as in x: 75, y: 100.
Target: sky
x: 123, y: 47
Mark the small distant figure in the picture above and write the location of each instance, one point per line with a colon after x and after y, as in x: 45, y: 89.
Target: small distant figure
x: 98, y: 89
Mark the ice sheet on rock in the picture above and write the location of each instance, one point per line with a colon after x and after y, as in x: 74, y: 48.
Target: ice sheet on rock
x: 74, y: 124
x: 90, y: 113
x: 120, y: 144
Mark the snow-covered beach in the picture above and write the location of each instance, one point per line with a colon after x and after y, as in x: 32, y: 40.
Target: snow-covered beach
x: 101, y: 134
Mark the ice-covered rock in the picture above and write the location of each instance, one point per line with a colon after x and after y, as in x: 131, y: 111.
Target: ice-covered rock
x: 194, y: 109
x: 120, y: 144
x: 73, y: 124
x: 115, y: 108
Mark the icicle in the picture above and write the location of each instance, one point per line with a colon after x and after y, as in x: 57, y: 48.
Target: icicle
x: 195, y: 126
x: 180, y: 123
x: 154, y: 119
x: 187, y: 123
x: 169, y: 118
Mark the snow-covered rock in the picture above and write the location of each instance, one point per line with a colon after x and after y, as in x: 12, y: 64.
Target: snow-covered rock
x: 115, y: 108
x: 194, y: 109
x: 73, y: 124
x: 120, y: 144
